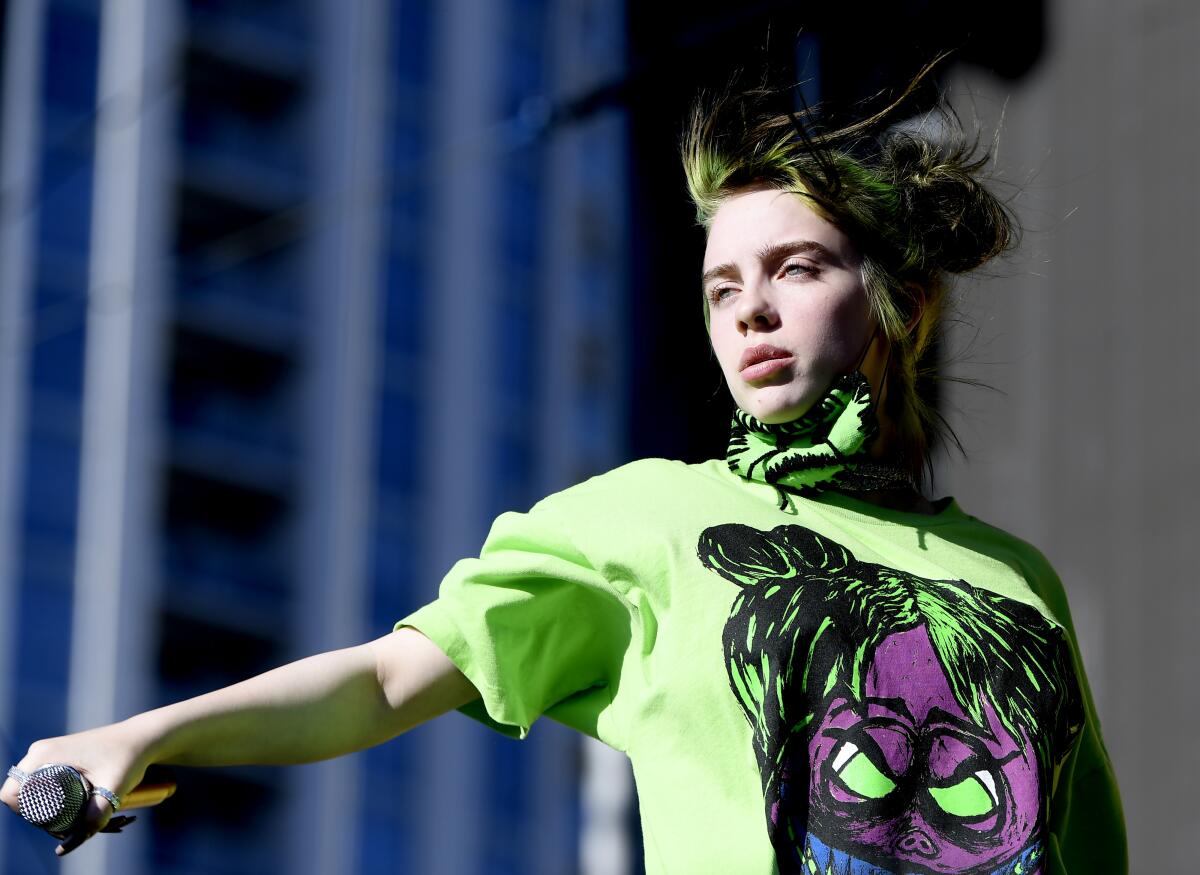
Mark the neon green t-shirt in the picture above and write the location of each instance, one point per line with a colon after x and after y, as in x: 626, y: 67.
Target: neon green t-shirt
x: 827, y: 687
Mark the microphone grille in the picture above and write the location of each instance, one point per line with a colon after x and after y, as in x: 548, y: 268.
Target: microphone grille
x: 52, y: 797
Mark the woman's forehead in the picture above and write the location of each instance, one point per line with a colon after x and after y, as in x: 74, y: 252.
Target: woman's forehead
x: 754, y: 219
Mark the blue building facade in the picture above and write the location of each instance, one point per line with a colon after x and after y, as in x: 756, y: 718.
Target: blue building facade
x: 44, y: 377
x: 312, y: 214
x: 56, y: 365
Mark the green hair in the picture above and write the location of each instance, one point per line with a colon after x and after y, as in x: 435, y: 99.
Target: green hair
x: 911, y: 201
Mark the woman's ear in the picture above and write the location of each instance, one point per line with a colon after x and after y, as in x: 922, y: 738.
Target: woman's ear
x: 915, y: 297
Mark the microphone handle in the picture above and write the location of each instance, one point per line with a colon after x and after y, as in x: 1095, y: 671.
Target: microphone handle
x: 157, y: 785
x: 148, y: 792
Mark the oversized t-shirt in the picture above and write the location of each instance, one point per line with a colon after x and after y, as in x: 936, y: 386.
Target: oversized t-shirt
x: 826, y: 687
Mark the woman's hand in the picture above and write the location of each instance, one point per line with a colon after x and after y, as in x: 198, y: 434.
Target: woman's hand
x: 108, y: 756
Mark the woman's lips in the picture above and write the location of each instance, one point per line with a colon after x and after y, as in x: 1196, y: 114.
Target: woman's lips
x: 763, y: 369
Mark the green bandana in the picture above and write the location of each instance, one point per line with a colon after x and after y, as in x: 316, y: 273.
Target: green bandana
x: 823, y: 449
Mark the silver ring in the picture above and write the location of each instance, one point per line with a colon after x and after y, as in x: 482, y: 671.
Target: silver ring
x: 113, y: 799
x: 17, y: 775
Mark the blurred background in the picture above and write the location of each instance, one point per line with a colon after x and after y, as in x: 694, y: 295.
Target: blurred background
x: 296, y: 297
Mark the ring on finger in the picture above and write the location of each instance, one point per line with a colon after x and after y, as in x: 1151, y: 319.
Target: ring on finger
x: 113, y: 799
x: 17, y: 775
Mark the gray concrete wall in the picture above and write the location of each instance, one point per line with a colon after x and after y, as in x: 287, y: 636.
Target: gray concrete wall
x: 1091, y: 332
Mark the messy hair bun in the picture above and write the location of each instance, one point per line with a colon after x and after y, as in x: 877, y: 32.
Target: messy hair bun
x: 946, y: 218
x: 912, y: 197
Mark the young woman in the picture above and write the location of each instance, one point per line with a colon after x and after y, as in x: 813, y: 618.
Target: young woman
x: 812, y: 666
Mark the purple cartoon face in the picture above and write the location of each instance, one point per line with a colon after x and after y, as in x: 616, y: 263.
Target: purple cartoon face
x: 906, y: 777
x: 901, y: 724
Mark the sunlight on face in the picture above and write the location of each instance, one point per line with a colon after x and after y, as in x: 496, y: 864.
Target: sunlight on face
x: 788, y: 311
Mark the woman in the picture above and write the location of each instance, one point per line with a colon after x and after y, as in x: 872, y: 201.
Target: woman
x: 812, y: 666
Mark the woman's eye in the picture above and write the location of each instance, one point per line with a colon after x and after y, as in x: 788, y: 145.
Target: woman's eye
x: 718, y: 294
x: 804, y: 269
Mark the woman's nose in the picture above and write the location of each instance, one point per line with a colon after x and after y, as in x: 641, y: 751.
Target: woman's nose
x: 756, y: 311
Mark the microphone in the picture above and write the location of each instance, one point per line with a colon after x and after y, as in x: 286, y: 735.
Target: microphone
x: 53, y: 796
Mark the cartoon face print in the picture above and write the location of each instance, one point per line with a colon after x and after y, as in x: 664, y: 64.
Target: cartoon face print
x: 901, y: 725
x: 909, y: 777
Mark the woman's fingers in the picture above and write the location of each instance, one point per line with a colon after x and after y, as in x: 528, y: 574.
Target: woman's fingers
x: 117, y: 823
x: 105, y: 757
x: 96, y: 816
x: 8, y: 793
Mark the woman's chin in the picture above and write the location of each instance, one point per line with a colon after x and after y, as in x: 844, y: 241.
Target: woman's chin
x: 774, y: 414
x: 784, y: 396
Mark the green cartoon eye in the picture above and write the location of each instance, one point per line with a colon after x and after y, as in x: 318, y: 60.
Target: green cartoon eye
x: 970, y: 798
x: 860, y: 775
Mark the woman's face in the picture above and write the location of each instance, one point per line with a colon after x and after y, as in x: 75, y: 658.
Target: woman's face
x: 788, y: 311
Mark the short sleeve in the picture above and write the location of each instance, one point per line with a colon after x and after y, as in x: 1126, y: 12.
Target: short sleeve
x: 1087, y: 820
x: 534, y: 625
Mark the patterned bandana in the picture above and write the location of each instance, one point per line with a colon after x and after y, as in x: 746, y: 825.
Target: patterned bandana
x: 826, y: 448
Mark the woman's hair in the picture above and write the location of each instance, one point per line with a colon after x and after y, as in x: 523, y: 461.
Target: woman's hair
x: 910, y: 198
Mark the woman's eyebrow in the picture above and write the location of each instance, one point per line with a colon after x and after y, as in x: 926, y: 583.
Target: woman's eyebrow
x: 769, y: 252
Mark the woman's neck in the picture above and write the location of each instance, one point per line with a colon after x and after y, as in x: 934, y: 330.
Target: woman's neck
x: 882, y: 450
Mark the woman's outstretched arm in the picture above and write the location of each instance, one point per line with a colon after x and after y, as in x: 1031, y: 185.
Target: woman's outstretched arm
x: 316, y: 708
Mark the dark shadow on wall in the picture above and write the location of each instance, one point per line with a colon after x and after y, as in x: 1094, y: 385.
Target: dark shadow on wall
x: 679, y: 405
